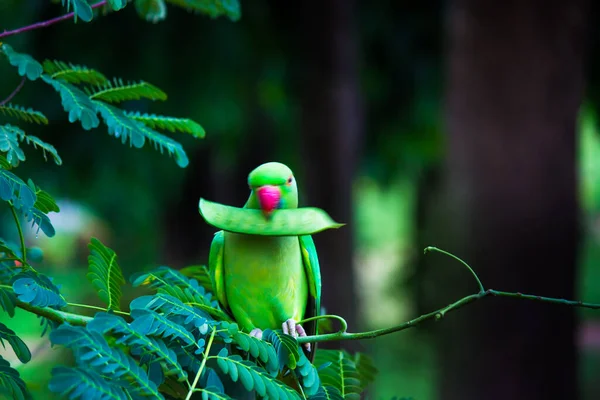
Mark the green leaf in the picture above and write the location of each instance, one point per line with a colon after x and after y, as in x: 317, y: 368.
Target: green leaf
x: 8, y: 300
x: 340, y: 372
x: 170, y: 282
x: 26, y: 65
x: 44, y: 202
x: 259, y: 349
x: 4, y: 164
x: 13, y: 189
x: 366, y: 369
x: 9, y: 143
x: 105, y: 274
x: 327, y: 393
x: 151, y: 10
x: 83, y: 383
x: 81, y: 8
x: 119, y: 91
x: 283, y: 222
x: 92, y: 351
x: 73, y: 73
x: 75, y: 102
x: 150, y: 323
x: 169, y: 123
x: 212, y: 8
x: 200, y: 274
x: 37, y: 289
x: 119, y: 125
x: 46, y: 147
x: 11, y: 382
x: 307, y: 375
x: 171, y: 308
x: 252, y: 377
x: 285, y: 346
x: 24, y: 114
x: 140, y: 345
x: 18, y: 346
x: 117, y: 5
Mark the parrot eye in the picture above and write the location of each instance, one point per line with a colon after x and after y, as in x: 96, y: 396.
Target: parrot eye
x: 289, y: 181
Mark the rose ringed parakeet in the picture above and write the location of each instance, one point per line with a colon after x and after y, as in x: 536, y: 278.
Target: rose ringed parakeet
x: 268, y: 282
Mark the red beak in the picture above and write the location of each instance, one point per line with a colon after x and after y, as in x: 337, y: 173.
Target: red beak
x: 268, y: 198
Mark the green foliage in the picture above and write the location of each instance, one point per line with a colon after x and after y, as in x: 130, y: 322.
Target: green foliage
x: 85, y: 94
x: 11, y: 382
x: 105, y: 274
x: 24, y: 114
x: 73, y: 73
x: 171, y: 343
x: 26, y: 65
x: 346, y: 374
x: 19, y: 347
x: 118, y: 91
x: 151, y: 10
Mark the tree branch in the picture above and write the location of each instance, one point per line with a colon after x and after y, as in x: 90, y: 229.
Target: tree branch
x: 55, y: 315
x: 49, y: 22
x: 14, y: 92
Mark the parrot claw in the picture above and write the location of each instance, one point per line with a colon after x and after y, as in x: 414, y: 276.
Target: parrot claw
x: 257, y: 333
x: 295, y: 330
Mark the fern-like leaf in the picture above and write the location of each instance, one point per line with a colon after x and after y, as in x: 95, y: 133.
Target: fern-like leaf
x: 252, y: 377
x: 44, y: 201
x: 168, y: 123
x: 118, y: 91
x: 24, y: 114
x: 26, y: 65
x: 117, y: 5
x: 151, y: 10
x: 200, y: 274
x: 81, y: 9
x: 19, y: 347
x: 4, y: 164
x: 327, y: 393
x: 93, y: 352
x: 340, y: 372
x: 75, y: 102
x: 72, y: 73
x: 259, y: 349
x: 13, y: 189
x: 105, y: 274
x: 120, y: 126
x: 84, y: 384
x: 150, y: 323
x: 171, y: 282
x: 140, y: 345
x: 8, y: 300
x: 11, y: 382
x: 37, y: 289
x: 212, y: 8
x: 285, y: 346
x: 366, y: 369
x: 9, y: 143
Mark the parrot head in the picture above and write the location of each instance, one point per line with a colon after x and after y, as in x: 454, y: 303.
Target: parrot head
x: 272, y: 186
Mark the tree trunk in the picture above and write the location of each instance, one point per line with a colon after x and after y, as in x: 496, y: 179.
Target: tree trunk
x: 515, y: 80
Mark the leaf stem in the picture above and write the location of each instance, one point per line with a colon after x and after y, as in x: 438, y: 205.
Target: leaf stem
x: 21, y: 237
x: 206, y: 352
x: 97, y: 308
x: 431, y: 248
x: 49, y: 22
x: 55, y: 315
x: 14, y: 92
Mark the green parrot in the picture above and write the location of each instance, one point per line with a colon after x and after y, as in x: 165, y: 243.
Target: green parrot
x: 268, y: 282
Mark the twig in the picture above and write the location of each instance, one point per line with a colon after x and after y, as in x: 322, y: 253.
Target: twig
x: 21, y: 237
x: 14, y: 92
x: 49, y: 22
x: 206, y: 352
x: 55, y: 315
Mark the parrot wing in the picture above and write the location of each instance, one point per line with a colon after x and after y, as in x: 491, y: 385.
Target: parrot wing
x: 313, y: 275
x: 217, y: 270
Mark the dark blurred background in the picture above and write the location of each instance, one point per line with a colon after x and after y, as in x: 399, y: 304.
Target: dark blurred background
x: 468, y: 125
